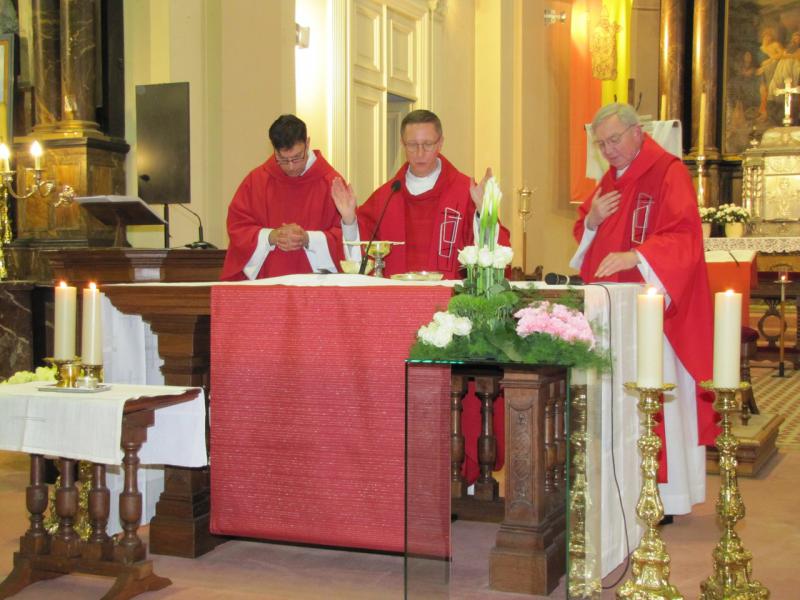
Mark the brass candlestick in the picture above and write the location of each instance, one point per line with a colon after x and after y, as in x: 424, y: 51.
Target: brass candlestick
x: 5, y: 231
x: 650, y: 561
x: 782, y: 281
x: 584, y: 581
x: 701, y: 180
x: 67, y: 371
x: 732, y: 563
x: 524, y: 212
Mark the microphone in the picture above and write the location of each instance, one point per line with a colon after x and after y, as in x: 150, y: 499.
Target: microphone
x: 200, y: 244
x: 395, y: 188
x: 559, y: 279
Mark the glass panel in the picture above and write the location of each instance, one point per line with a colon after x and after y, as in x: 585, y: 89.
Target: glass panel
x: 583, y: 508
x: 428, y: 553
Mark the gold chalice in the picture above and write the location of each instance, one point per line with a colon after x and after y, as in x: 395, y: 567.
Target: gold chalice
x: 351, y: 267
x: 377, y: 250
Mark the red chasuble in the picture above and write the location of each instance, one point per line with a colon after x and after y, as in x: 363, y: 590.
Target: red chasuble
x: 672, y: 242
x: 434, y: 225
x: 269, y: 198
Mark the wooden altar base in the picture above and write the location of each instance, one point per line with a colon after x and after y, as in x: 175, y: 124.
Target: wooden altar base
x: 756, y: 445
x: 469, y: 509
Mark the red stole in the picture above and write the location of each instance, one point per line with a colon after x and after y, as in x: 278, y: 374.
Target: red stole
x: 268, y: 198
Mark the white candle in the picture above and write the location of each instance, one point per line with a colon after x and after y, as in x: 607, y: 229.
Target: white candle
x: 92, y: 331
x: 701, y: 128
x: 5, y: 155
x: 64, y: 334
x: 727, y: 338
x: 36, y: 153
x: 649, y: 339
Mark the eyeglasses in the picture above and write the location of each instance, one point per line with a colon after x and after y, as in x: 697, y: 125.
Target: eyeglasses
x: 611, y: 141
x: 293, y: 160
x: 424, y: 146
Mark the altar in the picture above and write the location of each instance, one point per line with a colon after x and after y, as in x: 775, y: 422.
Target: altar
x: 336, y: 350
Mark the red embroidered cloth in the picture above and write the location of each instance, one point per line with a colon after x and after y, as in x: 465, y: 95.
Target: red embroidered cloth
x: 308, y: 410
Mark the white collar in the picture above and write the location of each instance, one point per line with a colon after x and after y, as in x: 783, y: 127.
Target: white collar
x: 420, y: 185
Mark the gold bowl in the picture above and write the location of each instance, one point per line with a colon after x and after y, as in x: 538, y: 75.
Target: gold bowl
x: 380, y: 248
x: 352, y: 266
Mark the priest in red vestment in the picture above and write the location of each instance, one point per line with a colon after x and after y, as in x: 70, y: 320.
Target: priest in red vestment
x: 433, y: 211
x: 282, y: 219
x: 642, y: 225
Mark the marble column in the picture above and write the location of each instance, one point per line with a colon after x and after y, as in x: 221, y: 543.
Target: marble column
x: 78, y: 65
x: 705, y: 69
x: 47, y: 65
x: 671, y: 65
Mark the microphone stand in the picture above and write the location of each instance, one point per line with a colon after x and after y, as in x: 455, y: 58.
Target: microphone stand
x: 395, y: 187
x: 200, y: 244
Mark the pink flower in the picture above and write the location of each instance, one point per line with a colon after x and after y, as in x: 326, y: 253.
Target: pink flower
x: 555, y: 320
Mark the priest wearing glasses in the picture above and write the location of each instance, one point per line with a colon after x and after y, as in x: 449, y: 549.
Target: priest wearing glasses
x: 428, y: 204
x: 282, y: 219
x: 642, y: 225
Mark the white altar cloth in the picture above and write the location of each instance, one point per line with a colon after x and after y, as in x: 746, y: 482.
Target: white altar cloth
x: 88, y: 427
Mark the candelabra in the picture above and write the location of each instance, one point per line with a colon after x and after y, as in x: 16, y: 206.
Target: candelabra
x: 732, y: 563
x: 650, y: 570
x: 783, y: 279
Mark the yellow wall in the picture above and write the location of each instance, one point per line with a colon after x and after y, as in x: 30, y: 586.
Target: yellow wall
x: 238, y: 58
x: 313, y: 72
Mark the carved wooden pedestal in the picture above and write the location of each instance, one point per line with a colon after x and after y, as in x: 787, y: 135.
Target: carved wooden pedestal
x: 529, y: 556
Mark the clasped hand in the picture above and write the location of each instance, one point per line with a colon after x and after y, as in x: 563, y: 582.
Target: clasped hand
x: 289, y: 237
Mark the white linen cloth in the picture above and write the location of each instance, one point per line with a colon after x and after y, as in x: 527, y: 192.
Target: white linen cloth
x: 88, y: 426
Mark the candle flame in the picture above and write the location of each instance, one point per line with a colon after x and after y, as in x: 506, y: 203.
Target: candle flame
x: 63, y: 284
x: 729, y: 292
x: 36, y: 149
x: 651, y: 291
x: 92, y: 285
x: 783, y: 277
x: 5, y: 153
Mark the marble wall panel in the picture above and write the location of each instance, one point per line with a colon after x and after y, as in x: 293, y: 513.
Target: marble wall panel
x: 16, y: 328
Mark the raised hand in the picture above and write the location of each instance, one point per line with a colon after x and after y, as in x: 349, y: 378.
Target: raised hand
x: 476, y: 190
x: 614, y: 262
x: 345, y: 200
x: 289, y: 237
x: 602, y: 207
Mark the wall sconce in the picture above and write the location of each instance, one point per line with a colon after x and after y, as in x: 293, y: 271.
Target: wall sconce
x: 301, y: 35
x: 40, y: 187
x: 552, y: 16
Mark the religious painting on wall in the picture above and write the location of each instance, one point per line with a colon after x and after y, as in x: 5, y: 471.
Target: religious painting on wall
x: 6, y: 87
x: 762, y: 51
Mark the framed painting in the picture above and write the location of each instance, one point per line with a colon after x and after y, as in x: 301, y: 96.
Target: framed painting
x: 761, y: 51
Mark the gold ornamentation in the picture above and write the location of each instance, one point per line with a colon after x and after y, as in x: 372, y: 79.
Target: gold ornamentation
x: 603, y: 47
x: 5, y: 231
x: 732, y: 563
x: 583, y: 582
x: 82, y: 525
x: 650, y: 561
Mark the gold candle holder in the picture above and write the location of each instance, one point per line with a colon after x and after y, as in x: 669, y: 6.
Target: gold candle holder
x: 67, y: 371
x: 584, y: 582
x: 524, y: 213
x: 732, y: 563
x: 650, y: 561
x: 94, y: 372
x: 701, y: 180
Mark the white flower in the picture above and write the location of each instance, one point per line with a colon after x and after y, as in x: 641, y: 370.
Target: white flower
x: 492, y: 196
x: 445, y: 319
x: 468, y: 255
x: 502, y: 256
x: 462, y: 326
x: 485, y: 257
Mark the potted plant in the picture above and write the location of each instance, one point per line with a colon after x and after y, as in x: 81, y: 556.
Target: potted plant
x: 733, y: 218
x: 707, y: 218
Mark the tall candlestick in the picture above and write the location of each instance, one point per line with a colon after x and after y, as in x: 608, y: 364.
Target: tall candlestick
x: 64, y: 334
x: 92, y: 332
x: 701, y: 128
x: 36, y: 153
x: 649, y: 339
x: 727, y: 338
x: 663, y: 113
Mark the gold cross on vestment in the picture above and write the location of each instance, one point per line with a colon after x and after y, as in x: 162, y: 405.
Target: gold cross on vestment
x: 787, y: 92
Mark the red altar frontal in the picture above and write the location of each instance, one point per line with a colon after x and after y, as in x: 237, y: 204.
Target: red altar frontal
x: 308, y: 410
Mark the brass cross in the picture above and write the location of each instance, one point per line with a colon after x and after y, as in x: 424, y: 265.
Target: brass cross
x: 787, y: 92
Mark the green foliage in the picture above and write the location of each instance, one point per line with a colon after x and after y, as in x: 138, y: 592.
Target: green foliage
x: 494, y: 336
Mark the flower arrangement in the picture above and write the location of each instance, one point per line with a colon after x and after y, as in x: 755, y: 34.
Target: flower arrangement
x: 708, y: 214
x: 731, y: 213
x: 488, y: 320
